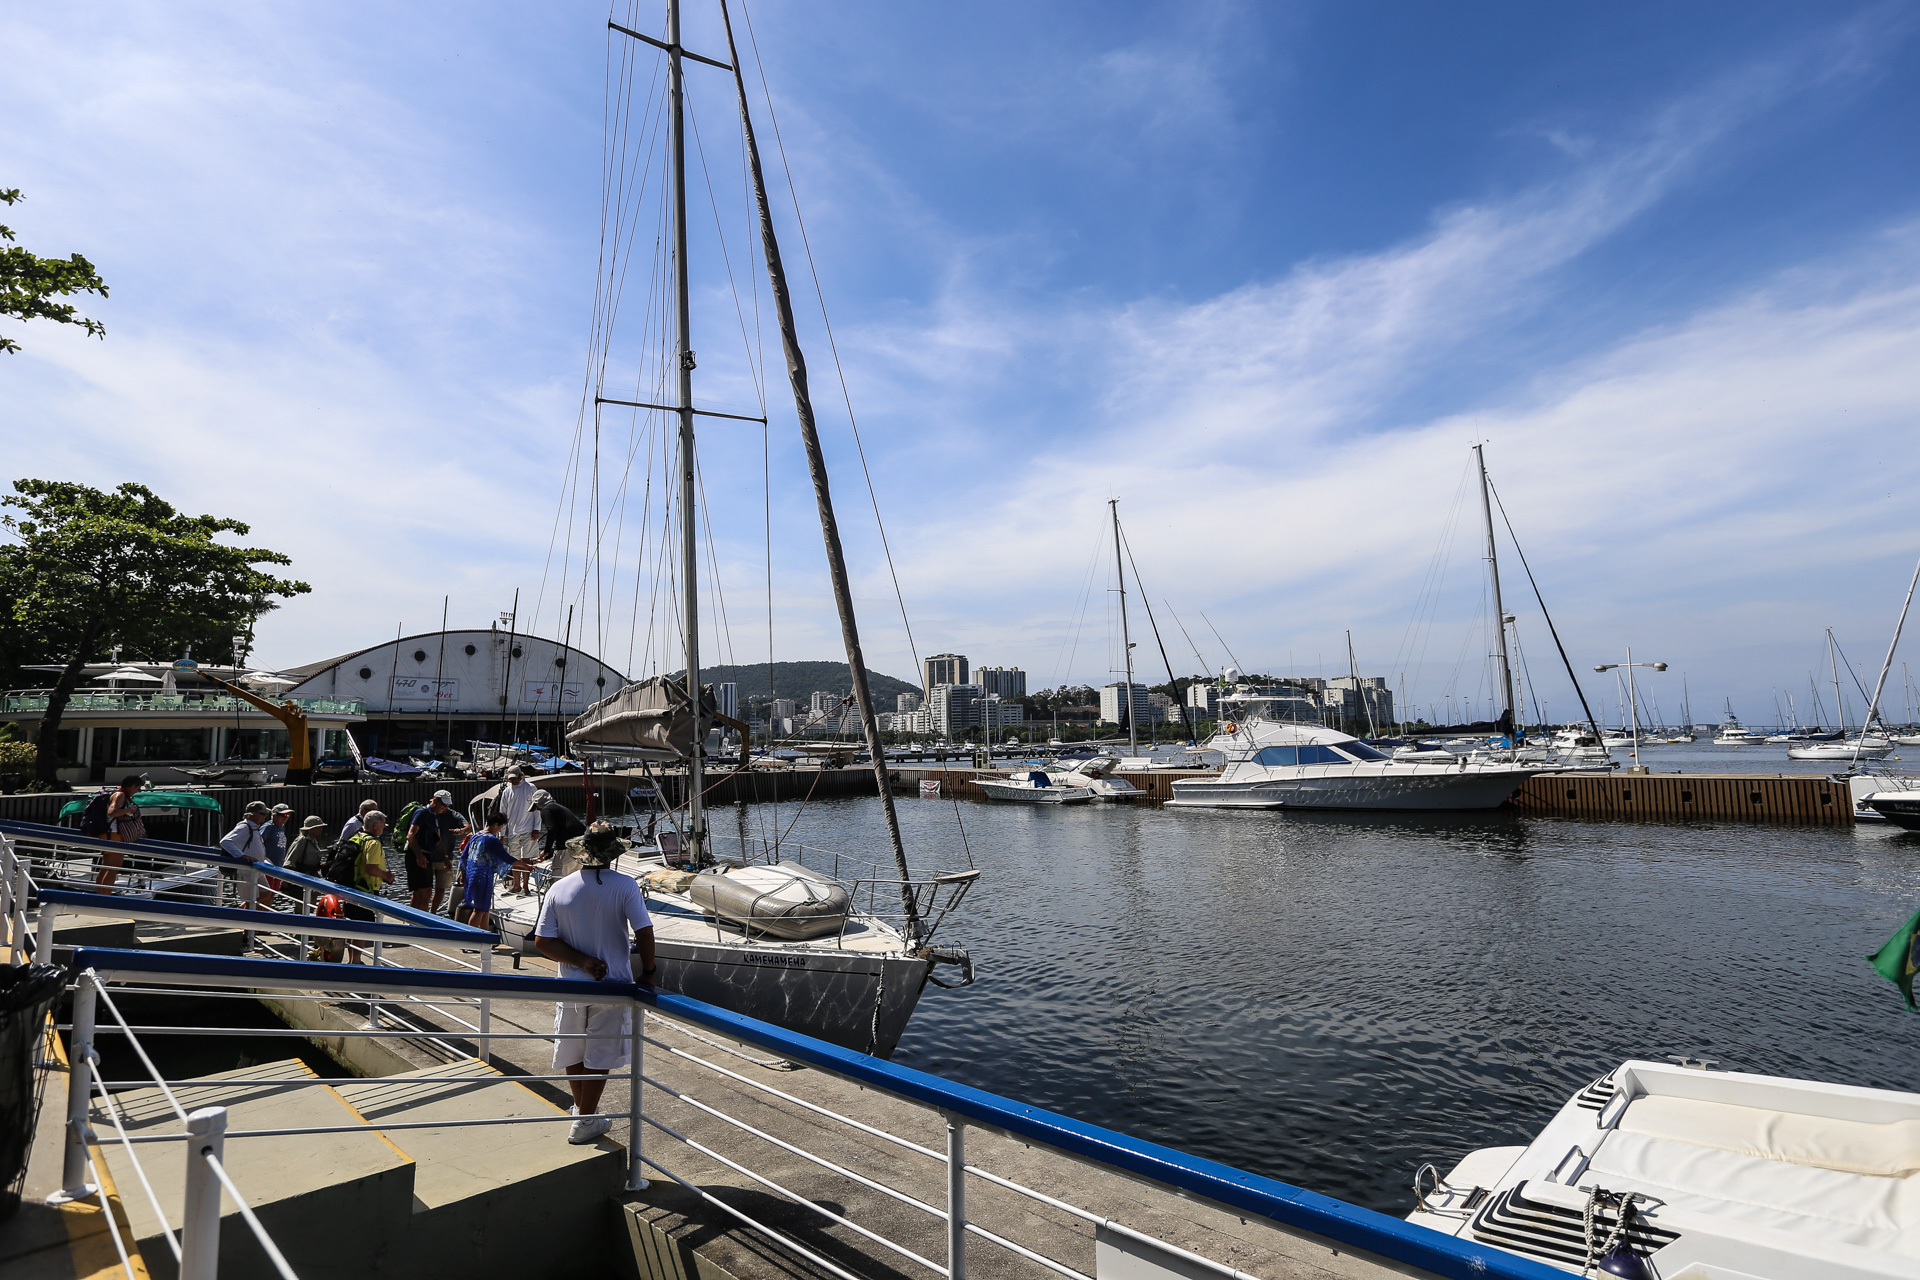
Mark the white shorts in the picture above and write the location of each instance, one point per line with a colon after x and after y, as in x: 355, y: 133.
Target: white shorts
x: 611, y: 1029
x: 525, y: 844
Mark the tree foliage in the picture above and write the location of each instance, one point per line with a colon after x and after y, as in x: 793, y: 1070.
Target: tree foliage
x: 89, y: 570
x: 29, y: 284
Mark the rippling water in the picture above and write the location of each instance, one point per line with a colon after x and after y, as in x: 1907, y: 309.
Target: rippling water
x: 1332, y: 1000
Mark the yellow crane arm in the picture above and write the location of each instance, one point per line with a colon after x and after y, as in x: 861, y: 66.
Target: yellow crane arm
x: 300, y: 742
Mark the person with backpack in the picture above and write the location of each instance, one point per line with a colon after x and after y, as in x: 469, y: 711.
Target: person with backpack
x: 112, y: 815
x: 306, y: 853
x: 365, y: 860
x: 248, y: 842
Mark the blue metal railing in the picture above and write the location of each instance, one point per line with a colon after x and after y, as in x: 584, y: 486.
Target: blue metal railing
x: 1293, y: 1207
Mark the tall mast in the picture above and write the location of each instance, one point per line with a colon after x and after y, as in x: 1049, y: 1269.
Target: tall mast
x: 822, y: 492
x: 1839, y: 707
x: 1126, y: 641
x: 1873, y: 704
x: 1353, y: 669
x: 1499, y: 609
x: 683, y: 404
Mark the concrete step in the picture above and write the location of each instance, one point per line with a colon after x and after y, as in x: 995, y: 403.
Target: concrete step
x: 515, y: 1200
x: 335, y: 1203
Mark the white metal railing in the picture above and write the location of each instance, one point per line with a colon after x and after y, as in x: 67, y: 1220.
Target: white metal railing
x: 936, y: 1193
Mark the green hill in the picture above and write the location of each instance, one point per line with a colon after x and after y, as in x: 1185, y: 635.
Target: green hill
x: 798, y: 680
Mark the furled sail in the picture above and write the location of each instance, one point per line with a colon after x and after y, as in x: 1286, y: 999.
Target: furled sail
x: 648, y: 715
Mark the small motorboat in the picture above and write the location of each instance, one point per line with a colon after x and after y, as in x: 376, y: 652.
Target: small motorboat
x: 1096, y: 775
x: 1902, y: 808
x: 1658, y: 1170
x: 1034, y: 787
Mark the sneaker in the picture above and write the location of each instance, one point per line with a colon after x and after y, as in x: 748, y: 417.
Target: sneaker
x: 588, y: 1128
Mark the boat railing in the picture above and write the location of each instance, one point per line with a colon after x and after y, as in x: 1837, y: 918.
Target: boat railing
x: 139, y: 701
x: 875, y: 888
x: 701, y: 1110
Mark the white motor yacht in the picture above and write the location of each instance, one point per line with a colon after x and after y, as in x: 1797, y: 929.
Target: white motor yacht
x: 1287, y: 764
x: 1097, y: 776
x: 1658, y: 1170
x: 1734, y: 734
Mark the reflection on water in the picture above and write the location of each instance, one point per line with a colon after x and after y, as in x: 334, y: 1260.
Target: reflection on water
x: 1334, y: 999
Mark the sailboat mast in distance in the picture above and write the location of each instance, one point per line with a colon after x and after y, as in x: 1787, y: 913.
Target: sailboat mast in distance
x: 1499, y: 608
x: 683, y: 358
x: 1126, y: 641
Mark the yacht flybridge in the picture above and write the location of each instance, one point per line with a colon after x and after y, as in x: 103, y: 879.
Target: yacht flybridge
x: 1658, y: 1172
x: 1286, y: 764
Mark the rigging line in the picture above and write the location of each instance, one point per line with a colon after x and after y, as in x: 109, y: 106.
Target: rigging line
x: 1080, y: 615
x: 1427, y: 599
x: 713, y: 561
x: 1205, y: 667
x: 1551, y: 629
x: 1172, y: 680
x: 766, y: 511
x: 1223, y: 643
x: 832, y: 345
x: 746, y: 344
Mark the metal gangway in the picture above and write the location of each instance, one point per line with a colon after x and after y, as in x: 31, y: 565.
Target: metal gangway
x: 720, y: 1050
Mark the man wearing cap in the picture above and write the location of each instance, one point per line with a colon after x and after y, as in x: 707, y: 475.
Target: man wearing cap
x: 248, y: 842
x: 558, y: 824
x: 590, y: 924
x: 431, y: 838
x: 523, y: 824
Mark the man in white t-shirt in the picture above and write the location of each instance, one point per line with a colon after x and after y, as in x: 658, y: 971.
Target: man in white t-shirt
x: 590, y: 924
x: 523, y: 822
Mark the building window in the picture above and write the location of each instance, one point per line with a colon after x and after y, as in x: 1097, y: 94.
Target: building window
x: 366, y: 673
x: 469, y: 651
x: 336, y: 744
x: 419, y: 655
x: 256, y: 744
x: 157, y: 746
x: 66, y: 746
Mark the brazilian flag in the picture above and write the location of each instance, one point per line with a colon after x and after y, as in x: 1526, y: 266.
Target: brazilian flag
x: 1896, y: 961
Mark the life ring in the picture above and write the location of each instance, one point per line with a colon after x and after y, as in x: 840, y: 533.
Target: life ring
x: 1231, y: 727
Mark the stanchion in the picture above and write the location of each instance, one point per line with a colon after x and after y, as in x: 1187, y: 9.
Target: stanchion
x: 956, y: 1200
x: 486, y: 1006
x: 636, y: 1172
x: 73, y: 1172
x: 200, y: 1220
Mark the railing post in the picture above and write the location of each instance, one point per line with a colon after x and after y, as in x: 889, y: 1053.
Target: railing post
x: 6, y: 894
x: 486, y: 1006
x: 373, y: 1000
x: 19, y: 901
x: 200, y: 1219
x: 306, y: 909
x: 956, y: 1199
x: 43, y: 936
x: 73, y: 1173
x: 636, y: 1172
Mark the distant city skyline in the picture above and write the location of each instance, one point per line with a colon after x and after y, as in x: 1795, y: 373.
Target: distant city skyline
x: 1262, y: 273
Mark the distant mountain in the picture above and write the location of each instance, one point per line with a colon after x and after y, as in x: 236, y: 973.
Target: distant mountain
x: 799, y: 680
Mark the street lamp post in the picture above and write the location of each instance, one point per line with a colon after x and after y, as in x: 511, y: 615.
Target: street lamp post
x: 1633, y: 704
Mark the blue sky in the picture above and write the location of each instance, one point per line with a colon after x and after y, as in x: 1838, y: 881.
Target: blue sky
x: 1263, y: 273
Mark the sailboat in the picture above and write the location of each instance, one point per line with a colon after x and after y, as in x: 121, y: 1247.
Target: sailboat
x: 1867, y: 745
x: 816, y: 941
x: 1276, y: 761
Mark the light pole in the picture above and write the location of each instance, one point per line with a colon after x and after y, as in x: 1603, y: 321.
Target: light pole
x: 1633, y: 703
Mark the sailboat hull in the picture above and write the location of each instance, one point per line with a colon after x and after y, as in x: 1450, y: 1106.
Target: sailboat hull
x: 859, y: 1002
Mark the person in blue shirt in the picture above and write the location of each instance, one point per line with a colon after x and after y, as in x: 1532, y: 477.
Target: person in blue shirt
x: 485, y: 856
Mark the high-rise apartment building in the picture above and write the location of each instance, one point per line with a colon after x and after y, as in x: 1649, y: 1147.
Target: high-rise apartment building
x: 1359, y: 703
x: 784, y: 709
x: 824, y: 703
x: 907, y: 702
x: 944, y: 668
x: 726, y: 700
x: 953, y: 707
x: 1007, y: 682
x: 1203, y: 700
x: 1114, y: 701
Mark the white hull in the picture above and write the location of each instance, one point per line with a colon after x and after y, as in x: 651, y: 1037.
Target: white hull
x: 1838, y: 751
x: 1027, y: 793
x: 1404, y: 787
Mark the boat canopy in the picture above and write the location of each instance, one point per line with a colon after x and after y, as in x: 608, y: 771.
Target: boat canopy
x: 153, y: 802
x: 649, y: 716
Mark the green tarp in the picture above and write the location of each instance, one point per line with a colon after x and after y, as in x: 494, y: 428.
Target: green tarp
x: 153, y: 802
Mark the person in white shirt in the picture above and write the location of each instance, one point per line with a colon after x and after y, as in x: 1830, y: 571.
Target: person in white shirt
x: 523, y: 821
x: 358, y: 822
x: 590, y: 924
x: 248, y: 842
